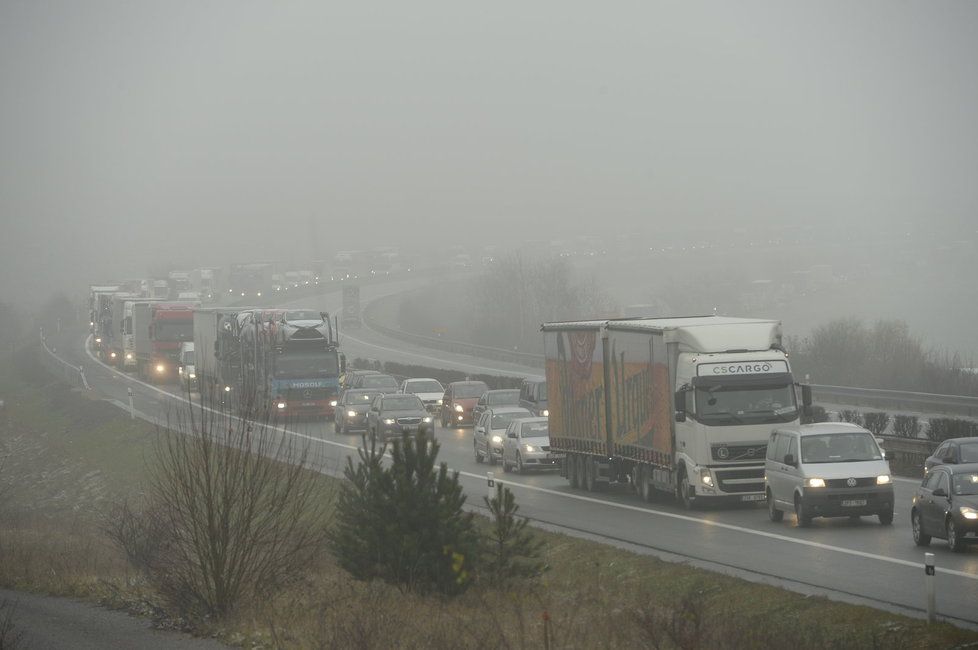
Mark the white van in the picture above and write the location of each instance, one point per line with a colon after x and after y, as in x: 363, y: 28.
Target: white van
x: 188, y: 366
x: 829, y: 469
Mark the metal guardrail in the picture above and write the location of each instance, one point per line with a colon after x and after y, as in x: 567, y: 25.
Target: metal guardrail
x: 874, y: 397
x: 74, y: 375
x: 908, y: 452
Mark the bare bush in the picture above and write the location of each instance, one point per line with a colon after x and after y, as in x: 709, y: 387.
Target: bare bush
x: 907, y: 426
x: 851, y: 416
x: 876, y: 421
x: 231, y: 511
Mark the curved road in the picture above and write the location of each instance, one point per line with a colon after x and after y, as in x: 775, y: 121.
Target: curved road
x: 859, y: 561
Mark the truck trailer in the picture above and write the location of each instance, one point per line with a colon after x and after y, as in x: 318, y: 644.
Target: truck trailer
x: 680, y: 405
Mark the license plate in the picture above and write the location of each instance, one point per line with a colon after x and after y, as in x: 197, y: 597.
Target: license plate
x: 753, y: 497
x: 853, y: 503
x: 409, y: 429
x: 308, y: 403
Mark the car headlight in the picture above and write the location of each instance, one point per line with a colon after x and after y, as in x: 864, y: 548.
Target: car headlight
x: 706, y: 478
x: 497, y: 439
x: 160, y: 368
x: 98, y: 339
x: 129, y: 356
x: 545, y: 413
x: 529, y: 447
x: 440, y: 402
x: 180, y: 370
x: 968, y: 513
x: 815, y: 483
x: 227, y: 389
x: 112, y: 355
x: 883, y: 479
x: 281, y: 405
x: 193, y: 375
x: 388, y: 421
x: 426, y: 420
x: 351, y: 414
x: 333, y: 402
x: 458, y: 408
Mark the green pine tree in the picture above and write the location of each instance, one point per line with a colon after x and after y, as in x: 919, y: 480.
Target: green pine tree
x: 510, y: 550
x: 403, y: 522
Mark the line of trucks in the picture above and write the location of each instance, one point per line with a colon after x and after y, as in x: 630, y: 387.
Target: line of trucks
x: 288, y: 359
x: 679, y: 405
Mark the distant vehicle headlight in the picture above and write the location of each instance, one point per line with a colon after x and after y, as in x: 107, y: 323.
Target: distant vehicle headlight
x: 529, y: 447
x: 440, y: 402
x: 128, y: 356
x: 706, y: 478
x: 458, y: 408
x: 112, y: 355
x: 968, y: 513
x: 815, y: 483
x: 333, y: 402
x: 281, y: 405
x: 351, y: 414
x: 227, y: 389
x: 193, y: 375
x: 389, y: 421
x: 98, y: 339
x: 426, y: 420
x: 546, y: 413
x: 160, y: 368
x: 883, y: 479
x: 497, y: 439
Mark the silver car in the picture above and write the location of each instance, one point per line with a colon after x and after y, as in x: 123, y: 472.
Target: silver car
x: 527, y: 445
x: 490, y: 430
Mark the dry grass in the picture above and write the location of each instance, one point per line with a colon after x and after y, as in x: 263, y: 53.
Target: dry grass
x: 596, y: 596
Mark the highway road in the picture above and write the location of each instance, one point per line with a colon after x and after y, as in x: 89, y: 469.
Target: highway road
x: 859, y: 561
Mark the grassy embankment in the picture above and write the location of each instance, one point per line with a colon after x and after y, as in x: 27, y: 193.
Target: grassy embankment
x: 69, y: 457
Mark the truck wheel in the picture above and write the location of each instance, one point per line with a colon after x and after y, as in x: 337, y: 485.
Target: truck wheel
x: 773, y: 513
x: 647, y: 491
x: 684, y: 491
x: 589, y: 471
x: 573, y: 474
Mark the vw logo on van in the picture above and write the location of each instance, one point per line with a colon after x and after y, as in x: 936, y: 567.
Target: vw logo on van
x: 851, y: 482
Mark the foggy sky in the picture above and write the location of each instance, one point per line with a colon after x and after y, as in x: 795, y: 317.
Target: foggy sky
x: 136, y: 134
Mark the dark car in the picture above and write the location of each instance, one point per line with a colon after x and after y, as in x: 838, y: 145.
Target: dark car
x: 460, y: 398
x: 390, y: 415
x: 350, y: 376
x: 533, y: 397
x: 946, y: 506
x: 954, y: 451
x: 499, y: 397
x: 351, y: 412
x: 384, y: 383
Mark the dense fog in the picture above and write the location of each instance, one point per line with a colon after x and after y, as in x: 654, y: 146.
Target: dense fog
x: 820, y: 158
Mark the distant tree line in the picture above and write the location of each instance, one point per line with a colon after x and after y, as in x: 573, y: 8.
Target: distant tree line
x: 886, y: 354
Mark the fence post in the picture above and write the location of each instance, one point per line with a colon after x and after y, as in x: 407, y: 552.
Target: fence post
x: 929, y: 580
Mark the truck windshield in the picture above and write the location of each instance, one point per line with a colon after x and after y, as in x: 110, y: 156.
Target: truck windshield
x: 306, y: 366
x: 721, y: 405
x: 174, y: 330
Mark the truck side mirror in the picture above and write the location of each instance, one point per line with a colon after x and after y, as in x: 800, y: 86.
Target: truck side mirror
x: 806, y: 399
x: 680, y: 401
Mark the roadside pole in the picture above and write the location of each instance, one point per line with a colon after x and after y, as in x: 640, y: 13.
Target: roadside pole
x: 132, y: 410
x: 929, y: 579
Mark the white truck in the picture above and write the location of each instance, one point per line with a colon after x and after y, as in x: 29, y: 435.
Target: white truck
x: 682, y: 405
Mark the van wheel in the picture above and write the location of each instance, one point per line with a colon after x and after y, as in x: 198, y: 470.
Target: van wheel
x: 573, y: 475
x: 886, y: 517
x: 773, y: 513
x: 802, y: 514
x: 506, y: 467
x: 684, y: 491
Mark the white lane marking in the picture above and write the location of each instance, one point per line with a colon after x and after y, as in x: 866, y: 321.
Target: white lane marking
x: 622, y: 506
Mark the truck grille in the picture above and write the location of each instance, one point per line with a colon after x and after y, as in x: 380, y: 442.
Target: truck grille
x: 728, y: 453
x: 309, y: 394
x: 741, y: 480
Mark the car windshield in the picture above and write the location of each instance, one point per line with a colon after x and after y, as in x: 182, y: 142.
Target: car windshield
x: 378, y: 381
x: 470, y: 390
x: 502, y: 420
x: 965, y: 484
x: 535, y: 430
x: 352, y: 397
x: 306, y: 366
x: 839, y: 448
x: 402, y: 403
x: 504, y: 398
x: 969, y: 452
x: 722, y: 404
x: 425, y: 386
x: 303, y: 314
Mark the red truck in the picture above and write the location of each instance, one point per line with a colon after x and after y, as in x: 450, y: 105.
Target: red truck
x: 159, y: 329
